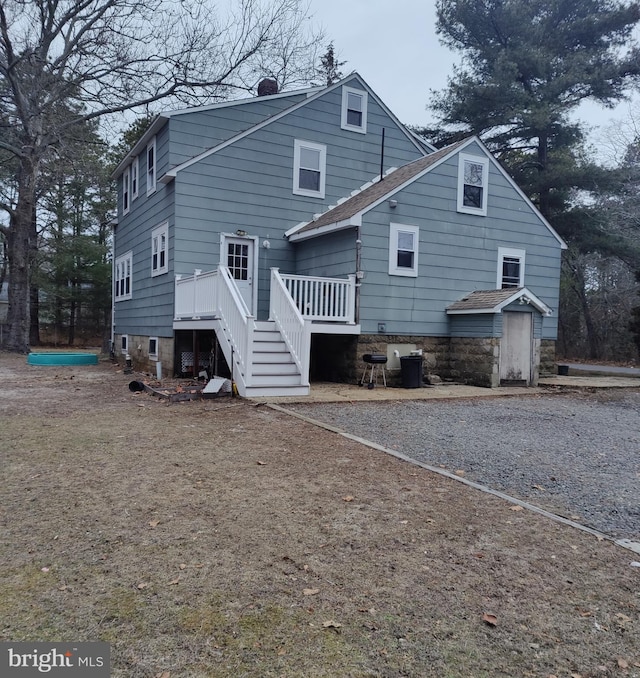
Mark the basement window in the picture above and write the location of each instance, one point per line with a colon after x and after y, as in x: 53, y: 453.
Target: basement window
x: 153, y: 348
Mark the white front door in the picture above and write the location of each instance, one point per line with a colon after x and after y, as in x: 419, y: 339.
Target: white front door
x: 239, y: 258
x: 516, y: 347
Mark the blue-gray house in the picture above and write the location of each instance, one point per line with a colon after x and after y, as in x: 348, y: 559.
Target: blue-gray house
x: 286, y: 235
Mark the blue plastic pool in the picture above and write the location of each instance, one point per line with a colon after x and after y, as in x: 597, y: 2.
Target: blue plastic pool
x: 62, y: 359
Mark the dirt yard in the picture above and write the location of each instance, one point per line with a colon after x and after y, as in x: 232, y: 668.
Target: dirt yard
x: 223, y: 539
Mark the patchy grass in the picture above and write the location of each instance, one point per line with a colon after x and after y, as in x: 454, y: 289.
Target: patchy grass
x: 218, y: 538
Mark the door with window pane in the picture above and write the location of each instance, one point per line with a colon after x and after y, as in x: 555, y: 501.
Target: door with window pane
x: 239, y: 253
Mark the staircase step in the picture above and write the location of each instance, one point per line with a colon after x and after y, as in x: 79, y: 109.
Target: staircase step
x: 270, y: 347
x: 275, y: 369
x: 275, y: 380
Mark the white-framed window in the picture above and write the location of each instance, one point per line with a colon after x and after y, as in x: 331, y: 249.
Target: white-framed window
x: 160, y: 249
x: 134, y: 178
x: 309, y: 168
x: 123, y: 277
x: 354, y: 110
x: 473, y: 180
x: 126, y: 190
x: 403, y: 250
x: 124, y: 344
x: 151, y: 166
x: 153, y: 348
x: 510, y: 268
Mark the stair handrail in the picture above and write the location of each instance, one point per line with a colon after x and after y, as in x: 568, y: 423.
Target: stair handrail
x: 294, y: 329
x: 239, y: 325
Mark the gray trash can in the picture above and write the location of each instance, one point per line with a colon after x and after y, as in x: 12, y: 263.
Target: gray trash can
x: 411, y: 371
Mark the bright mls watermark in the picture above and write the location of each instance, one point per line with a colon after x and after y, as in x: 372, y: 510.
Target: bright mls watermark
x: 58, y: 660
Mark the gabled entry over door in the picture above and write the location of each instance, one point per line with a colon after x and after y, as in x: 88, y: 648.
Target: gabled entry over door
x: 238, y: 254
x: 516, y: 348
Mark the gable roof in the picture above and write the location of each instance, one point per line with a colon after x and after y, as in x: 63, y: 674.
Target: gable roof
x: 420, y: 144
x: 348, y: 213
x: 369, y: 196
x: 493, y: 301
x: 161, y: 119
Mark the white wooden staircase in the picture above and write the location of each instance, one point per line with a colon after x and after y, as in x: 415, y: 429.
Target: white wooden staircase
x: 274, y: 370
x: 266, y: 357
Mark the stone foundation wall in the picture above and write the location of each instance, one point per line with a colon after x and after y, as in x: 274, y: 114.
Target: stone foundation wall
x: 547, y: 357
x: 475, y: 361
x: 139, y: 352
x: 435, y: 355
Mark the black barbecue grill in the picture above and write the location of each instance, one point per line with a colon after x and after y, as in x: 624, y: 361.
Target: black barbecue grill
x: 371, y: 362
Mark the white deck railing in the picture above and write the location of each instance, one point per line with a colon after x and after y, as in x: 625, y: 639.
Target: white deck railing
x: 317, y: 299
x: 196, y: 295
x: 239, y: 325
x: 323, y: 299
x: 294, y: 329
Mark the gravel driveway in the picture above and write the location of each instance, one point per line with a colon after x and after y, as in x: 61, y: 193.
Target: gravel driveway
x: 575, y: 455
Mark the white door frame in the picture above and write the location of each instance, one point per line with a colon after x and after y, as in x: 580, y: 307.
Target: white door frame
x: 524, y: 342
x: 252, y: 241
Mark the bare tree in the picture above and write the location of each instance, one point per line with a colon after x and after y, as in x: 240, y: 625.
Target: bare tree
x: 99, y: 57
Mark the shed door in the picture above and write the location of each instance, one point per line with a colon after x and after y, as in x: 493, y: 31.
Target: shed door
x: 515, y: 347
x: 239, y: 260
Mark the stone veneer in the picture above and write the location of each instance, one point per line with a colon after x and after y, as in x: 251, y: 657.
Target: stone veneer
x: 475, y: 360
x: 139, y: 352
x: 547, y: 357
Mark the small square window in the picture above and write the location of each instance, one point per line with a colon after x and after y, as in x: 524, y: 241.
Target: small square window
x: 473, y: 173
x: 403, y: 250
x: 354, y: 110
x: 153, y: 348
x: 510, y: 268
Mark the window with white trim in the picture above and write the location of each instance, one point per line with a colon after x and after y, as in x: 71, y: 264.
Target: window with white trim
x: 354, y: 110
x: 473, y: 179
x: 122, y: 277
x: 153, y: 348
x: 134, y: 178
x: 151, y: 166
x: 309, y: 168
x: 124, y: 344
x: 160, y: 249
x: 403, y: 250
x: 510, y: 268
x: 126, y: 190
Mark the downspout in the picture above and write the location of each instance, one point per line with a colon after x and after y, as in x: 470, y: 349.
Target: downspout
x: 359, y: 274
x: 113, y: 301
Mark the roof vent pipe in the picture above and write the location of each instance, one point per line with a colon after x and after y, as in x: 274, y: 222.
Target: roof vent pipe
x: 267, y: 86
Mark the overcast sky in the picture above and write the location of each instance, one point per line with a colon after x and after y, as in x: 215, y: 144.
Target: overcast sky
x: 393, y: 45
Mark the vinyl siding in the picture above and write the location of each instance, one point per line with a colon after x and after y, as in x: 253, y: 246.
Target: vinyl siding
x: 249, y: 185
x: 458, y: 253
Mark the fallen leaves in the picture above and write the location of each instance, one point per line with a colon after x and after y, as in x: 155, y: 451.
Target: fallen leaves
x: 331, y: 625
x: 142, y: 585
x: 347, y: 498
x: 490, y: 619
x: 516, y: 508
x: 154, y: 523
x: 310, y: 592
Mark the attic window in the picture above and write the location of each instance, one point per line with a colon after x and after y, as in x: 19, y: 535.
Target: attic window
x: 126, y: 190
x: 354, y: 110
x: 309, y: 168
x: 134, y: 178
x: 151, y: 166
x: 473, y: 173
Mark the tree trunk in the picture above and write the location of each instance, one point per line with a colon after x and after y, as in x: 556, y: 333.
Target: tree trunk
x: 20, y: 241
x: 34, y: 316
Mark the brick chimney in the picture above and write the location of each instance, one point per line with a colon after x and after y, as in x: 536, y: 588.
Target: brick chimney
x: 267, y: 86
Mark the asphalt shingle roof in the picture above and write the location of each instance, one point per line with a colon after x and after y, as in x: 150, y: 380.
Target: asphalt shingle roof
x: 375, y: 192
x: 483, y: 299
